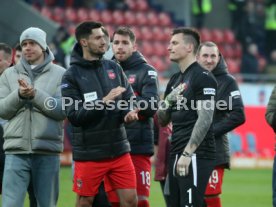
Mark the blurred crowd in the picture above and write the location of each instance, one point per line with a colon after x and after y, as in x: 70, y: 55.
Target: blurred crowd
x: 252, y: 21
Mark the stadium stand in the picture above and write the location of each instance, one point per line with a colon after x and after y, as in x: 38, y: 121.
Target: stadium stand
x: 152, y: 26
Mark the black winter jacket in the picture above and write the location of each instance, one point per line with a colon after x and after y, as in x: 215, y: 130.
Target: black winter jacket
x: 143, y: 79
x: 98, y: 132
x: 225, y: 120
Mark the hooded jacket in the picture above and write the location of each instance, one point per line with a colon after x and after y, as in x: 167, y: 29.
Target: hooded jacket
x: 98, y: 130
x: 226, y: 118
x: 143, y: 79
x: 34, y: 126
x: 270, y: 114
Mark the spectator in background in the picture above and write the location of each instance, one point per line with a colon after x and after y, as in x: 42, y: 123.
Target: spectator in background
x: 271, y: 66
x: 252, y: 26
x: 162, y: 136
x: 5, y: 57
x: 109, y: 53
x: 143, y: 80
x: 17, y: 54
x: 225, y: 120
x: 237, y: 12
x: 199, y: 10
x: 5, y: 62
x: 249, y: 62
x: 33, y: 138
x: 270, y: 26
x: 270, y: 116
x: 62, y: 45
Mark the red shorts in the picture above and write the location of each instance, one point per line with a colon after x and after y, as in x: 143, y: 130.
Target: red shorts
x: 88, y: 175
x: 214, y: 185
x: 142, y: 167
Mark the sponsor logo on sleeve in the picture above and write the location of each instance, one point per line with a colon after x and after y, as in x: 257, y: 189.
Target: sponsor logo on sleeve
x: 235, y: 93
x: 209, y: 91
x: 64, y: 85
x: 152, y: 73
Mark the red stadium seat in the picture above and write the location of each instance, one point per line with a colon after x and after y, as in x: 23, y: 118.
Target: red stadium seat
x: 146, y: 33
x: 237, y: 50
x: 58, y: 15
x: 137, y: 33
x: 152, y: 18
x: 233, y: 65
x: 49, y: 2
x: 118, y: 17
x: 70, y: 15
x: 167, y: 33
x: 229, y: 36
x: 110, y: 29
x: 160, y: 49
x: 158, y: 33
x: 221, y: 49
x: 46, y: 12
x: 71, y: 29
x: 262, y: 63
x: 94, y: 15
x: 229, y: 51
x: 205, y: 34
x: 157, y: 63
x: 141, y: 18
x: 147, y: 49
x: 131, y: 4
x: 130, y: 18
x: 141, y: 5
x: 217, y: 36
x: 164, y: 19
x: 82, y: 15
x: 106, y: 17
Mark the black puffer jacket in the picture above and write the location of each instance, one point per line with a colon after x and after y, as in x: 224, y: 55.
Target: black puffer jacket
x: 143, y: 79
x: 98, y: 132
x: 226, y: 120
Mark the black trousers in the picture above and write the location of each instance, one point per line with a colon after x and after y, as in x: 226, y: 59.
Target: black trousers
x: 188, y: 191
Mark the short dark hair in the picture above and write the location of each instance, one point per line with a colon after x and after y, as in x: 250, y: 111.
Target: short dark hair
x: 190, y: 35
x: 7, y: 49
x: 207, y: 44
x: 126, y: 31
x: 105, y: 31
x: 18, y: 47
x: 84, y: 29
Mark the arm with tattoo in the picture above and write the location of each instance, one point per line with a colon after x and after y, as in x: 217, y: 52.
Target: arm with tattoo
x: 205, y: 111
x: 164, y: 112
x: 164, y: 115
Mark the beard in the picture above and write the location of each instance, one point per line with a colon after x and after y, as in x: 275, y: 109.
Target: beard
x: 98, y: 54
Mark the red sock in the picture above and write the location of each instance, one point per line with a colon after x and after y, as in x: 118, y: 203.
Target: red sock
x: 213, y: 202
x: 143, y: 203
x: 115, y: 204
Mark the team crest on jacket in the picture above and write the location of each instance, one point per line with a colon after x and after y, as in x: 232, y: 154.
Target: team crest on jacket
x: 131, y: 79
x: 79, y: 183
x: 111, y: 74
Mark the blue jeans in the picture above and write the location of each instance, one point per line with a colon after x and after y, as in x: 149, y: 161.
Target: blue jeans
x: 274, y: 183
x: 44, y: 170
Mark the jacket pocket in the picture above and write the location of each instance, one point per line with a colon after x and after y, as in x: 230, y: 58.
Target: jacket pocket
x: 14, y: 127
x: 46, y: 128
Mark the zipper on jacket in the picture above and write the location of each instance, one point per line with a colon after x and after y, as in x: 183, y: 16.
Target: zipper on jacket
x: 30, y: 138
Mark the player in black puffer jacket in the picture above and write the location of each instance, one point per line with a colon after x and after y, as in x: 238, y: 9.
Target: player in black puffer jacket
x: 143, y: 79
x: 225, y: 119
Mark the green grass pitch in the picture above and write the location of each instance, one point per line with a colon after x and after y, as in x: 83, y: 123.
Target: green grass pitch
x: 241, y: 188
